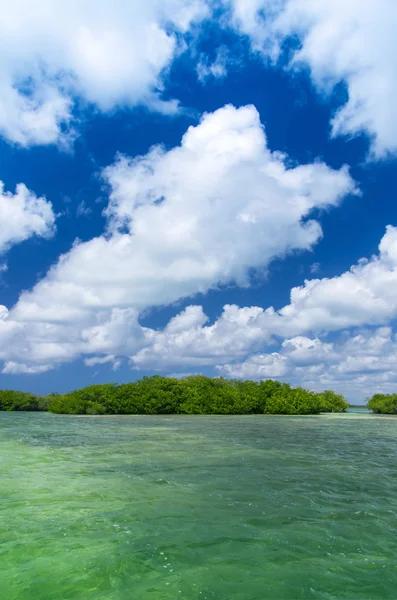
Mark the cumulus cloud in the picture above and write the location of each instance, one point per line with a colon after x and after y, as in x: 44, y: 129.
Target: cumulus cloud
x: 111, y: 55
x: 358, y: 364
x: 186, y: 341
x: 54, y: 55
x: 180, y: 222
x: 186, y: 220
x: 244, y: 342
x: 366, y: 294
x: 14, y: 368
x: 353, y: 42
x: 294, y: 353
x: 23, y: 215
x: 240, y: 341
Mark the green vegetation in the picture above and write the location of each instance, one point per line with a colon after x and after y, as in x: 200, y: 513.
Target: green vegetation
x: 192, y: 395
x: 385, y: 404
x: 196, y: 395
x: 13, y: 400
x: 332, y: 402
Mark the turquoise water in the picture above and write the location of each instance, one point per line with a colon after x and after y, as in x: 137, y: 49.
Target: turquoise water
x: 244, y: 508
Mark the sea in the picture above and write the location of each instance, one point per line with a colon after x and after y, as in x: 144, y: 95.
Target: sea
x: 198, y: 507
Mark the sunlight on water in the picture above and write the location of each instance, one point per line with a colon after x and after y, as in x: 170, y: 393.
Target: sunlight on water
x: 244, y: 508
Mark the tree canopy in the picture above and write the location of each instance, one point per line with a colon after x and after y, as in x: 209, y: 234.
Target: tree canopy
x: 383, y: 404
x: 191, y: 395
x: 196, y: 395
x: 14, y: 400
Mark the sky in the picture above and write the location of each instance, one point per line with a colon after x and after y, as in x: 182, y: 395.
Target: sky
x: 201, y: 186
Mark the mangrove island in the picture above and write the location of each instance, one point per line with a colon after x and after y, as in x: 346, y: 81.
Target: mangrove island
x: 191, y: 395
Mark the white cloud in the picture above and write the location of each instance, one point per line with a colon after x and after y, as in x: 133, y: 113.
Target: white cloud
x: 179, y: 222
x: 83, y: 210
x: 241, y: 341
x: 13, y: 368
x: 185, y: 220
x: 357, y: 364
x: 366, y: 294
x: 186, y: 340
x: 40, y: 116
x: 109, y: 54
x: 352, y: 41
x: 315, y: 268
x: 102, y: 360
x: 217, y: 68
x: 54, y: 54
x: 295, y: 353
x: 260, y: 366
x: 23, y: 215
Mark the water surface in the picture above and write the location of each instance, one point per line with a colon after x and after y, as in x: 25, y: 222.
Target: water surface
x: 228, y: 508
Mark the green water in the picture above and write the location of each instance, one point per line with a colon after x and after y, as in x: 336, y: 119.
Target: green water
x: 230, y: 508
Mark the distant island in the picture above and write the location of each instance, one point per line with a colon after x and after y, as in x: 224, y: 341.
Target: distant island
x: 192, y: 395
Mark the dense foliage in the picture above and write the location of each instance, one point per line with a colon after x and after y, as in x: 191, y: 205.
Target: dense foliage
x: 332, y: 402
x: 196, y: 395
x: 13, y: 400
x: 383, y: 403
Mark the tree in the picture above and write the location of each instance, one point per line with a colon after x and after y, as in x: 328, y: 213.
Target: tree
x: 195, y: 395
x: 21, y: 401
x: 332, y: 402
x: 383, y: 404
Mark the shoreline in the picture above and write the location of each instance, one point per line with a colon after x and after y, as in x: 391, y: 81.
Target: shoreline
x: 169, y: 416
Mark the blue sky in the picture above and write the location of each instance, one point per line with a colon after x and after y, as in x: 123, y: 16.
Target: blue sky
x: 206, y: 189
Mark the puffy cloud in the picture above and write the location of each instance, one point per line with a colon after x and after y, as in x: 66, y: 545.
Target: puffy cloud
x: 357, y: 364
x: 261, y: 366
x: 188, y: 219
x: 35, y: 344
x: 294, y: 353
x: 112, y: 54
x: 23, y: 215
x: 187, y: 341
x: 25, y: 344
x: 14, y: 368
x: 180, y: 222
x: 55, y: 54
x: 364, y: 295
x: 353, y: 41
